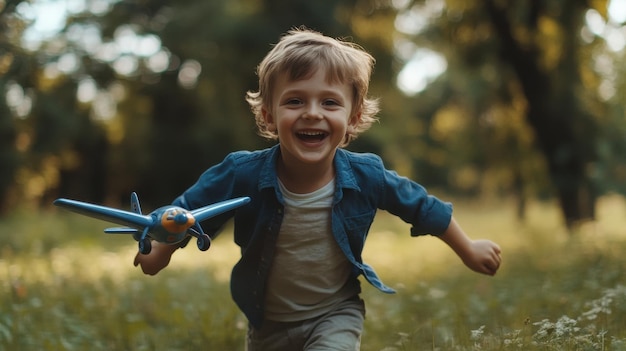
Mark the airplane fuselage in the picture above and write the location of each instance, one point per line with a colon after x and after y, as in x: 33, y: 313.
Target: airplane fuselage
x: 171, y: 224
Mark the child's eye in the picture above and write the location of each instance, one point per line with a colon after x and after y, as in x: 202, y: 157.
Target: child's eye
x: 293, y: 101
x: 331, y: 102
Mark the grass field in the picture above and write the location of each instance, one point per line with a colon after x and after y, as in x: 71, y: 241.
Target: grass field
x: 67, y: 286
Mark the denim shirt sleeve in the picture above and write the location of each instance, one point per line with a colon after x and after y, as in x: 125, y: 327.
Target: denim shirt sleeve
x: 411, y: 202
x: 214, y: 185
x: 386, y: 190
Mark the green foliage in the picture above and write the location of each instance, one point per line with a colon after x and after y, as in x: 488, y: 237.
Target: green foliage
x: 110, y: 111
x: 531, y: 99
x: 67, y: 286
x: 533, y: 62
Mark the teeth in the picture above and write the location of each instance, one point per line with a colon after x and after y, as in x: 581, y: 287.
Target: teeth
x: 311, y: 133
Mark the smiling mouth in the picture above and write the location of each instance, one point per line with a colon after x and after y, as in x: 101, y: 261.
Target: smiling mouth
x: 312, y: 136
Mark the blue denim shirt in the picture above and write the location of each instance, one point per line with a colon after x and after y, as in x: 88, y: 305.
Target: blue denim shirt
x: 363, y: 186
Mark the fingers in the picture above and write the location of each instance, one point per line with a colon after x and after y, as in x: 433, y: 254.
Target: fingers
x: 497, y: 249
x: 487, y: 257
x: 497, y: 259
x: 145, y: 268
x: 491, y: 268
x: 494, y: 262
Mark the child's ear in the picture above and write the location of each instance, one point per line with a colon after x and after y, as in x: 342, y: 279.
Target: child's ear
x: 269, y: 119
x: 354, y: 122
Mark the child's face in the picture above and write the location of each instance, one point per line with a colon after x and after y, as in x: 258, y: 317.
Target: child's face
x: 311, y: 117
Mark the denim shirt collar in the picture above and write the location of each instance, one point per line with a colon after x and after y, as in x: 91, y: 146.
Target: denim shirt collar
x: 343, y: 171
x: 268, y: 177
x: 344, y: 176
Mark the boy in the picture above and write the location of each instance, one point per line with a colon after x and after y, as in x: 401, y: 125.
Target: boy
x: 313, y: 202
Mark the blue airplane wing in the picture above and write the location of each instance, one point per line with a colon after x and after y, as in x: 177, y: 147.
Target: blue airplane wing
x: 104, y: 213
x: 206, y: 212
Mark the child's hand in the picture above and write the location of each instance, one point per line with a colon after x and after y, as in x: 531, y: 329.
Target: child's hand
x: 156, y: 260
x: 482, y: 256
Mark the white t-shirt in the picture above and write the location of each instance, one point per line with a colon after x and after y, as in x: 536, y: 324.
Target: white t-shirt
x: 309, y: 274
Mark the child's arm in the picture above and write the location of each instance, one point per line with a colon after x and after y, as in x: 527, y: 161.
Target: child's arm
x: 482, y: 256
x: 158, y: 258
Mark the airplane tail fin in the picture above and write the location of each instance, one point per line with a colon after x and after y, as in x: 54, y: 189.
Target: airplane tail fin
x: 134, y: 203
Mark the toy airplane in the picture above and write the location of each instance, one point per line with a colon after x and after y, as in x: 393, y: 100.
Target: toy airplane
x: 168, y: 224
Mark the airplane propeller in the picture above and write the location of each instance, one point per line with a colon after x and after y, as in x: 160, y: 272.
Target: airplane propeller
x: 181, y: 219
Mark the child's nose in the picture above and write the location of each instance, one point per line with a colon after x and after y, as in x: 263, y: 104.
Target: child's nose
x: 312, y: 112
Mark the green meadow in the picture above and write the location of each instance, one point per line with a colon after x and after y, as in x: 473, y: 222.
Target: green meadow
x: 64, y: 285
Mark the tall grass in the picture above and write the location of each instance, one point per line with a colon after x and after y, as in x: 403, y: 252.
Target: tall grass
x: 66, y: 286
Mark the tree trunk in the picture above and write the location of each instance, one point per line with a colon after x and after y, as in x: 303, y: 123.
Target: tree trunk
x: 8, y: 157
x: 563, y: 130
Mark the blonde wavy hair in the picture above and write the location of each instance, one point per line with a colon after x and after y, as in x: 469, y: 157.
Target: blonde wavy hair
x: 298, y: 54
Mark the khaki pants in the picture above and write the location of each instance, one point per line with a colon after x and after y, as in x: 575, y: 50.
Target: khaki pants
x: 339, y: 329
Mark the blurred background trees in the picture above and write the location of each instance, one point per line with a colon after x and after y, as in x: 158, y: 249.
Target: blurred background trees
x: 520, y: 98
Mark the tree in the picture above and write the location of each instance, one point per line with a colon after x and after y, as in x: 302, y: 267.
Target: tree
x: 146, y: 95
x: 565, y: 130
x: 542, y: 73
x: 10, y: 58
